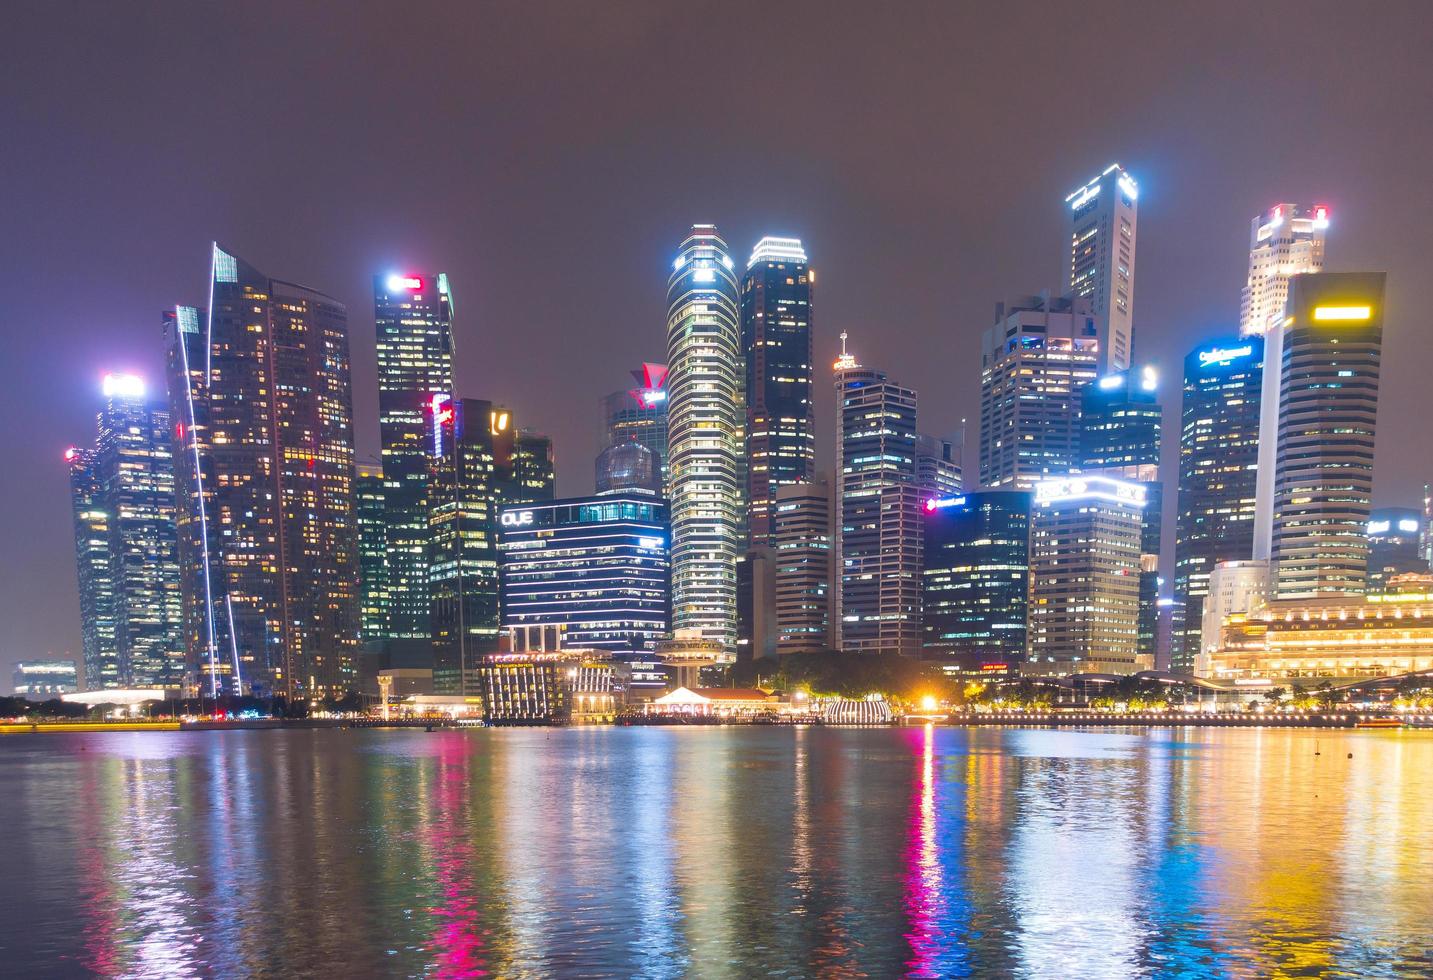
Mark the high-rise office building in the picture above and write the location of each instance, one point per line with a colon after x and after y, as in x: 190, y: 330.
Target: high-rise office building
x: 534, y: 473
x: 1121, y: 429
x: 1084, y: 575
x: 123, y: 496
x: 640, y: 414
x: 1218, y: 474
x: 1393, y: 546
x: 1035, y: 361
x: 937, y: 465
x: 1285, y: 241
x: 41, y: 680
x: 803, y: 541
x: 1332, y: 339
x: 777, y: 347
x: 878, y: 522
x: 597, y: 567
x: 413, y: 318
x: 371, y: 515
x: 95, y: 568
x: 470, y: 471
x: 705, y: 449
x: 975, y: 578
x: 1103, y: 217
x: 268, y: 547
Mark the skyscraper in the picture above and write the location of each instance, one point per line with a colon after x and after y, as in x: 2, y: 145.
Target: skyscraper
x: 1332, y: 340
x: 704, y: 436
x: 413, y: 316
x: 640, y: 414
x: 878, y: 512
x: 1121, y: 430
x: 95, y: 571
x: 1103, y: 216
x: 1285, y: 241
x: 1218, y: 474
x: 534, y: 472
x: 1034, y: 362
x: 937, y: 466
x: 776, y: 344
x: 1084, y: 585
x: 268, y: 547
x: 975, y: 578
x: 470, y: 461
x: 803, y: 542
x: 371, y: 515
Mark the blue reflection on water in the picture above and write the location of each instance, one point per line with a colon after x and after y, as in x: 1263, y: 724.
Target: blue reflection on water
x: 718, y: 852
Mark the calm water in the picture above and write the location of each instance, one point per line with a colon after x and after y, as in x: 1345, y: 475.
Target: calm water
x: 733, y: 852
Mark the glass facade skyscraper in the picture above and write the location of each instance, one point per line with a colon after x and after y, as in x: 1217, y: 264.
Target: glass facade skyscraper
x: 975, y: 578
x: 268, y: 548
x: 706, y: 412
x: 1218, y: 474
x: 122, y: 492
x: 470, y: 456
x: 371, y: 516
x: 777, y: 346
x: 414, y: 323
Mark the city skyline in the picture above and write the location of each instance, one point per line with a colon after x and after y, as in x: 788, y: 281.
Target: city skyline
x: 1191, y: 265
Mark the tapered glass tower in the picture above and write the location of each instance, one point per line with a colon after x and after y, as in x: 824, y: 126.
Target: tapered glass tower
x: 704, y: 435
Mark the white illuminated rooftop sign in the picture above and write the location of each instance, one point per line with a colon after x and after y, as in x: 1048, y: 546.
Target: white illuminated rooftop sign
x: 1089, y: 488
x: 123, y: 386
x: 1224, y: 355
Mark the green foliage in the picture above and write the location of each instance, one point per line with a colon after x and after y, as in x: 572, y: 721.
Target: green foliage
x: 851, y: 675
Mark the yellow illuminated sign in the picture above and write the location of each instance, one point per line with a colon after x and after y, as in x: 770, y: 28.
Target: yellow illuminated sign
x: 1343, y: 312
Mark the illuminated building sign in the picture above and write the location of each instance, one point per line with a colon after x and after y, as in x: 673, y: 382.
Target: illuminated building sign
x: 442, y: 415
x: 1407, y: 526
x: 1344, y: 314
x: 939, y: 503
x: 123, y: 386
x: 400, y: 284
x: 1220, y: 356
x: 1378, y: 527
x: 517, y: 518
x: 1089, y: 488
x: 652, y: 379
x: 649, y: 542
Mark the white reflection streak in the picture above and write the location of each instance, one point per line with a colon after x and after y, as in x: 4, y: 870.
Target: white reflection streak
x: 1073, y: 869
x: 156, y: 905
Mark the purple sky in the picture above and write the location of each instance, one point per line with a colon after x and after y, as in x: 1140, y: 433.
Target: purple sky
x: 550, y: 158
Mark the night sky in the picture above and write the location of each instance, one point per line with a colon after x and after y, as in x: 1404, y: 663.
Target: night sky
x: 551, y: 157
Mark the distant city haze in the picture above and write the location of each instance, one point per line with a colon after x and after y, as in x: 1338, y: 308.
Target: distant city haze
x: 550, y: 158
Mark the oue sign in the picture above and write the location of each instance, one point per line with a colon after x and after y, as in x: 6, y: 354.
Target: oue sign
x: 517, y: 518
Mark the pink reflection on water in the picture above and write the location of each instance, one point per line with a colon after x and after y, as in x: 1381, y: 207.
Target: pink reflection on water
x: 459, y: 942
x: 922, y: 899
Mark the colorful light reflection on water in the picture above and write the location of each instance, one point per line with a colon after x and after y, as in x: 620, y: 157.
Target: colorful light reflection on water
x: 718, y: 852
